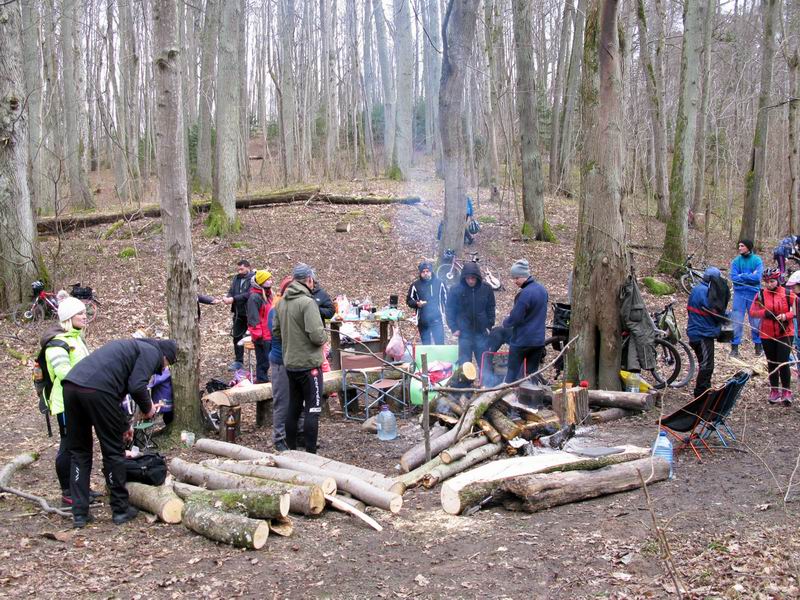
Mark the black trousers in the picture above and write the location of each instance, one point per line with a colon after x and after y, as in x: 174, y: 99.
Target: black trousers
x: 86, y: 408
x: 262, y: 348
x: 305, y: 398
x: 530, y: 356
x: 777, y: 352
x: 432, y: 333
x: 62, y: 455
x: 704, y: 350
x: 238, y: 331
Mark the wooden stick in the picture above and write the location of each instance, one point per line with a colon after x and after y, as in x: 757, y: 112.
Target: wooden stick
x: 476, y: 456
x: 351, y: 501
x: 426, y: 409
x: 344, y: 507
x: 20, y: 462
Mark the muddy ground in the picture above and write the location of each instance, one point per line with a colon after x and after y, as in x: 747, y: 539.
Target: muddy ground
x: 729, y: 531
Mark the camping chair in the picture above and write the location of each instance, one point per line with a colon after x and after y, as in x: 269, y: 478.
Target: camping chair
x: 364, y: 381
x: 730, y: 393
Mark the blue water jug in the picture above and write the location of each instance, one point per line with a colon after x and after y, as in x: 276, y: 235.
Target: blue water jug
x: 663, y: 448
x: 387, y: 424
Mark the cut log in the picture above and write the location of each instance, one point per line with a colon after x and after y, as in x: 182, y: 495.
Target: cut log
x: 474, y: 487
x: 343, y: 227
x: 328, y: 484
x: 284, y: 459
x: 488, y: 429
x: 255, y: 503
x: 349, y: 500
x: 282, y: 526
x: 184, y: 490
x: 331, y: 382
x: 505, y: 426
x: 345, y: 507
x: 463, y: 447
x: 542, y: 491
x: 20, y: 462
x: 234, y: 451
x: 572, y: 406
x: 304, y: 499
x: 442, y: 472
x: 627, y: 400
x: 610, y: 414
x: 414, y: 478
x: 220, y: 526
x: 159, y: 500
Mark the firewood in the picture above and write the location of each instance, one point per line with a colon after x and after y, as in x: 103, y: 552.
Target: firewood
x: 343, y: 227
x: 282, y: 526
x: 304, y: 499
x: 220, y: 526
x: 373, y: 477
x: 444, y: 418
x: 451, y: 403
x: 572, y: 406
x: 491, y: 433
x: 234, y: 451
x: 462, y: 448
x: 627, y: 400
x: 344, y: 507
x: 349, y: 500
x: 473, y: 487
x: 507, y: 428
x: 331, y: 382
x: 541, y: 491
x: 610, y: 414
x: 474, y: 457
x: 413, y: 478
x: 159, y: 500
x: 328, y: 484
x: 526, y: 412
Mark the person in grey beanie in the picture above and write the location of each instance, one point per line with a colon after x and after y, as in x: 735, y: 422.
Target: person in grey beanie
x: 428, y: 296
x: 527, y: 322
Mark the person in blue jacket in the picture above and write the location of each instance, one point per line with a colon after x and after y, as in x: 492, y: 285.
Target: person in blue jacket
x: 527, y: 323
x: 702, y: 329
x: 746, y: 271
x: 470, y: 313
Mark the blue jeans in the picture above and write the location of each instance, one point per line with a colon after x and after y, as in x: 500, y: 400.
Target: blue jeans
x: 432, y: 333
x: 741, y: 307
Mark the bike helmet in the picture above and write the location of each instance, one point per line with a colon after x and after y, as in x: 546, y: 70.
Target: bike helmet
x: 771, y: 273
x: 37, y: 287
x: 473, y: 227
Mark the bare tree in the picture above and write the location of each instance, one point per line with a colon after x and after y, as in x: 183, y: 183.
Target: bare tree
x: 387, y: 82
x: 793, y: 123
x: 17, y: 226
x: 601, y: 252
x: 404, y: 84
x: 558, y: 91
x: 181, y: 275
x: 207, y: 80
x: 458, y: 34
x: 288, y: 101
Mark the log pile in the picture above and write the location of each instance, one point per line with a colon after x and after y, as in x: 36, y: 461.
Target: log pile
x: 611, y: 405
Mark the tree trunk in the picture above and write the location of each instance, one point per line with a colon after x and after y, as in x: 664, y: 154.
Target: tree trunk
x: 18, y: 244
x: 229, y: 528
x: 386, y: 81
x: 474, y: 457
x: 558, y: 91
x: 540, y: 492
x: 129, y: 71
x: 244, y: 118
x: 680, y: 180
x: 80, y: 197
x: 433, y: 72
x: 175, y: 216
x: 627, y: 400
x: 754, y: 178
x: 328, y: 484
x: 458, y: 34
x: 255, y: 503
x: 601, y: 258
x: 326, y: 96
x: 207, y: 80
x: 794, y: 134
x: 495, y: 51
x: 222, y: 217
x: 404, y: 84
x: 654, y: 79
x: 158, y: 500
x: 532, y: 179
x: 288, y: 102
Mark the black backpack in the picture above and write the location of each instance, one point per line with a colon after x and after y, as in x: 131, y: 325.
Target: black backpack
x: 43, y: 383
x: 150, y: 469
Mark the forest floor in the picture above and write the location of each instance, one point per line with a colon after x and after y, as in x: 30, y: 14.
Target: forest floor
x: 730, y: 533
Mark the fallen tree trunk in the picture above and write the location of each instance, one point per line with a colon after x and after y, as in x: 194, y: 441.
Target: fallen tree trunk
x: 304, y: 499
x: 234, y: 451
x: 462, y: 448
x: 444, y: 471
x: 259, y: 392
x: 52, y: 225
x: 373, y: 477
x: 474, y: 487
x: 627, y: 400
x: 159, y: 500
x: 532, y: 493
x: 610, y: 414
x: 20, y: 462
x: 328, y: 484
x: 229, y: 528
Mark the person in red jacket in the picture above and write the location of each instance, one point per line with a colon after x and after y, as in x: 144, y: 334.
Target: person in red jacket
x: 258, y: 305
x: 774, y: 306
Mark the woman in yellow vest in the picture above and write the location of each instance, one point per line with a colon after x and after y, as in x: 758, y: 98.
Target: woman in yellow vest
x: 64, y: 348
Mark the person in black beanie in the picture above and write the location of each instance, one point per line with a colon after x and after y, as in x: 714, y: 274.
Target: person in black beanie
x: 428, y: 296
x: 92, y: 397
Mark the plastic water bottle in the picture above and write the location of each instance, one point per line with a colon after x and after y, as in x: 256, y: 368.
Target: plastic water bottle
x: 632, y: 382
x: 387, y: 424
x: 663, y: 449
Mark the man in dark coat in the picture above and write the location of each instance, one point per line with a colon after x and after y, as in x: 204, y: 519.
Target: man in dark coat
x: 92, y: 398
x: 324, y: 302
x: 527, y: 322
x: 428, y: 296
x: 471, y: 313
x: 236, y: 298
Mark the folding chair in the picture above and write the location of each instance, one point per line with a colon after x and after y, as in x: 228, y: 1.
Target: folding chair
x: 731, y: 392
x: 364, y: 382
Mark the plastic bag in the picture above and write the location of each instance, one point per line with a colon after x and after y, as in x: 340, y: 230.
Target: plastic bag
x: 396, y: 346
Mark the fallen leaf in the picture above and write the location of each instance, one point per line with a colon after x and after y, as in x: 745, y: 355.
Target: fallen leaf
x: 421, y: 580
x: 622, y: 576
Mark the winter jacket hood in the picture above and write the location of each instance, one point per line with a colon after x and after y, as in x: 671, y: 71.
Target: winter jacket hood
x: 471, y: 268
x: 702, y: 322
x: 528, y: 315
x: 298, y: 324
x: 471, y: 309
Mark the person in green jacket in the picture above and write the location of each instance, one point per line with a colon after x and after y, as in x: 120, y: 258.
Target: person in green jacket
x: 297, y: 323
x: 64, y: 349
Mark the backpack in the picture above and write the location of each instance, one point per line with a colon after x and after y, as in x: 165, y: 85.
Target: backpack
x: 41, y: 374
x: 150, y: 469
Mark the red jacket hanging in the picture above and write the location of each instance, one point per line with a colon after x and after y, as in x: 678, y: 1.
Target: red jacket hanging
x: 767, y: 305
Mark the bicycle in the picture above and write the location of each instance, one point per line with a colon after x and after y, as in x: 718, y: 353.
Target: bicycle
x: 667, y: 325
x: 44, y: 305
x: 689, y: 275
x: 450, y: 270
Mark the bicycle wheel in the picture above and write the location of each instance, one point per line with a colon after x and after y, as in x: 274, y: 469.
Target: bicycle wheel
x: 688, y: 365
x: 449, y: 274
x: 91, y: 310
x: 489, y: 278
x: 687, y: 282
x: 28, y: 314
x: 668, y: 366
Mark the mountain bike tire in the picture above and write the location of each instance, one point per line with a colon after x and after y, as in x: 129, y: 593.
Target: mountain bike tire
x: 449, y: 274
x: 688, y: 281
x: 668, y: 366
x: 688, y: 365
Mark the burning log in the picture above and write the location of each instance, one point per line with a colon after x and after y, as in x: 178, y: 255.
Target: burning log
x: 532, y: 493
x: 627, y: 400
x: 159, y: 500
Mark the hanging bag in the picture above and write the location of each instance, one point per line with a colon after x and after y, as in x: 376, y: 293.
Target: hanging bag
x: 396, y: 346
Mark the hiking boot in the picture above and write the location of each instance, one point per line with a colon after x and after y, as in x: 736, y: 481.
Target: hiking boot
x: 67, y: 502
x: 786, y: 397
x: 281, y: 446
x: 79, y: 522
x: 734, y: 350
x: 758, y: 349
x: 122, y: 518
x: 775, y: 396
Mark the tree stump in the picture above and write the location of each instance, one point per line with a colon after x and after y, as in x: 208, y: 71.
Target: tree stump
x: 572, y: 406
